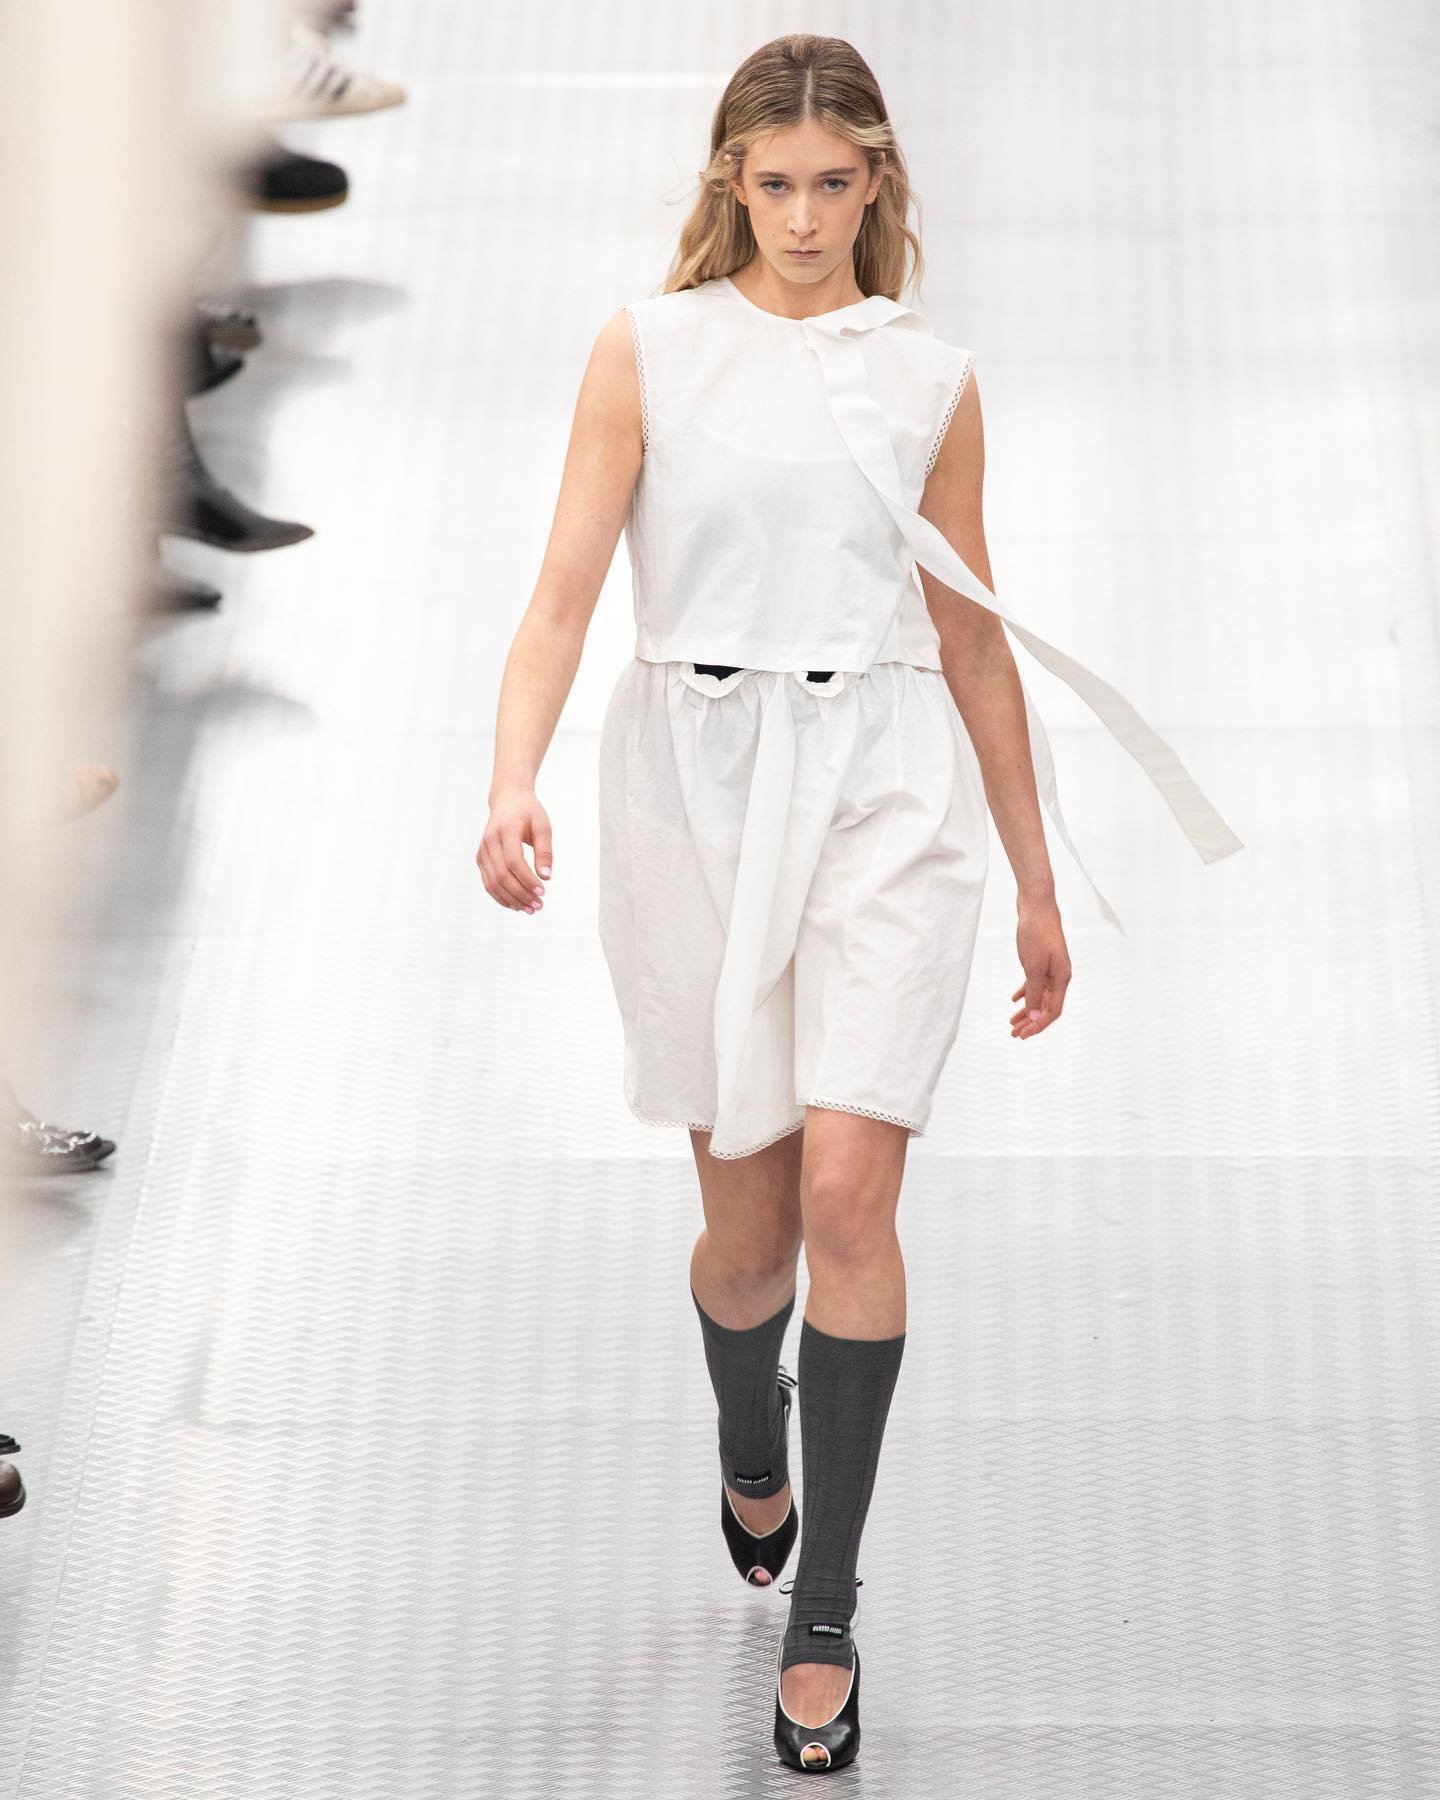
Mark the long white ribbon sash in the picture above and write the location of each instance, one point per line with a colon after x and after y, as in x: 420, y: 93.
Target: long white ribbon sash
x: 862, y: 425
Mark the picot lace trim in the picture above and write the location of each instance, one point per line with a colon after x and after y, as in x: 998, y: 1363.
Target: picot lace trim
x: 949, y: 414
x: 709, y: 1125
x: 687, y: 1124
x: 764, y: 1144
x: 640, y: 372
x: 866, y: 1112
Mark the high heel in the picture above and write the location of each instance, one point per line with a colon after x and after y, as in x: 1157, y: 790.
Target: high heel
x: 768, y: 1550
x: 817, y: 1749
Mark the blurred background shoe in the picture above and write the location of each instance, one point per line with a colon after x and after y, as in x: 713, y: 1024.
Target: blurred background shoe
x: 12, y: 1489
x: 281, y: 180
x: 206, y: 366
x: 31, y: 1146
x: 315, y: 84
x: 333, y: 15
x: 229, y: 327
x: 172, y: 593
x: 198, y: 506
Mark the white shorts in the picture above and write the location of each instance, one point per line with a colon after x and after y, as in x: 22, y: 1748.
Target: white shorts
x: 790, y: 881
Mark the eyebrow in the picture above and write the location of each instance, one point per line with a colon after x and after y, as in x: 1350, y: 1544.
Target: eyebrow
x: 770, y: 174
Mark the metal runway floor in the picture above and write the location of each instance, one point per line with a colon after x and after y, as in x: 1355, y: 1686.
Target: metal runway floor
x: 366, y: 1424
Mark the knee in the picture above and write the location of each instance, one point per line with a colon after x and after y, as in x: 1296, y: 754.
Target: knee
x: 755, y: 1257
x: 846, y: 1218
x: 762, y: 1263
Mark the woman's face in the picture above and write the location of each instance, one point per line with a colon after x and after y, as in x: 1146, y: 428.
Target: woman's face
x: 806, y: 189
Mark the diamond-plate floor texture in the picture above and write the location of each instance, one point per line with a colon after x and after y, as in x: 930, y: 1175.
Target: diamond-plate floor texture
x: 365, y: 1419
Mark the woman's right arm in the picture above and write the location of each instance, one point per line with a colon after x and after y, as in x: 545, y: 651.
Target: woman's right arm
x: 601, y: 466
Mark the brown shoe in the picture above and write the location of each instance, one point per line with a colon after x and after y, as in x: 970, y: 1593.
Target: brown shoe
x: 12, y: 1490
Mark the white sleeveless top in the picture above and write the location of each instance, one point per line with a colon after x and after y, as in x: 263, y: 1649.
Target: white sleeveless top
x: 753, y: 536
x: 774, y: 522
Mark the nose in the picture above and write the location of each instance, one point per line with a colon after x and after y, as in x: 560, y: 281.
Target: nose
x: 802, y: 225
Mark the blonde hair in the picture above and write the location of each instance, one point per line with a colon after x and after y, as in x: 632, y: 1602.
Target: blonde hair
x: 795, y: 77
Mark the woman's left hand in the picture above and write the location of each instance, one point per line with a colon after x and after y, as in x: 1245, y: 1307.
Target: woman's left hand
x: 1046, y: 962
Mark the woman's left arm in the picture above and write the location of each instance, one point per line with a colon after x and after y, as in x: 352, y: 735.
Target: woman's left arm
x: 981, y: 673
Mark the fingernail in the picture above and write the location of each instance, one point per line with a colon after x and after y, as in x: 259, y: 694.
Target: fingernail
x: 1034, y: 1013
x: 544, y: 868
x: 539, y: 893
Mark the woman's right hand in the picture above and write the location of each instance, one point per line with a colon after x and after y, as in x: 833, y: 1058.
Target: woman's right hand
x: 516, y: 818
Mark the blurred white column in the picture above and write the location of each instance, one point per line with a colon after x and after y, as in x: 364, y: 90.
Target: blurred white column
x: 117, y: 120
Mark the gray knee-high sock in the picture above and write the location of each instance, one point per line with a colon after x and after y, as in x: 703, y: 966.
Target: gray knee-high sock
x: 845, y: 1385
x: 743, y: 1367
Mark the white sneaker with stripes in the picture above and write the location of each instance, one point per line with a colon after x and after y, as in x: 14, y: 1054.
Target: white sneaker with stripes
x: 316, y: 84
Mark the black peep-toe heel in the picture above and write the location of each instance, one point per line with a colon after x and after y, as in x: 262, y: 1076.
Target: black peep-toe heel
x: 767, y: 1550
x: 819, y: 1748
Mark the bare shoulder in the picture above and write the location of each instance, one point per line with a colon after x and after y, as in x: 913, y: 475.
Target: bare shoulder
x: 614, y: 342
x: 610, y: 398
x: 960, y: 459
x: 612, y: 356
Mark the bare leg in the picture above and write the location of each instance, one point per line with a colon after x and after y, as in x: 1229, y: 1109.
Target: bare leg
x: 850, y: 1180
x: 743, y: 1266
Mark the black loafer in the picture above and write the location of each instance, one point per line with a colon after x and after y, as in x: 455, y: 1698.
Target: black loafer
x: 767, y: 1550
x: 281, y: 180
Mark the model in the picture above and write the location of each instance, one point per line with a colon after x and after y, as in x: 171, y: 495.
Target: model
x: 795, y: 772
